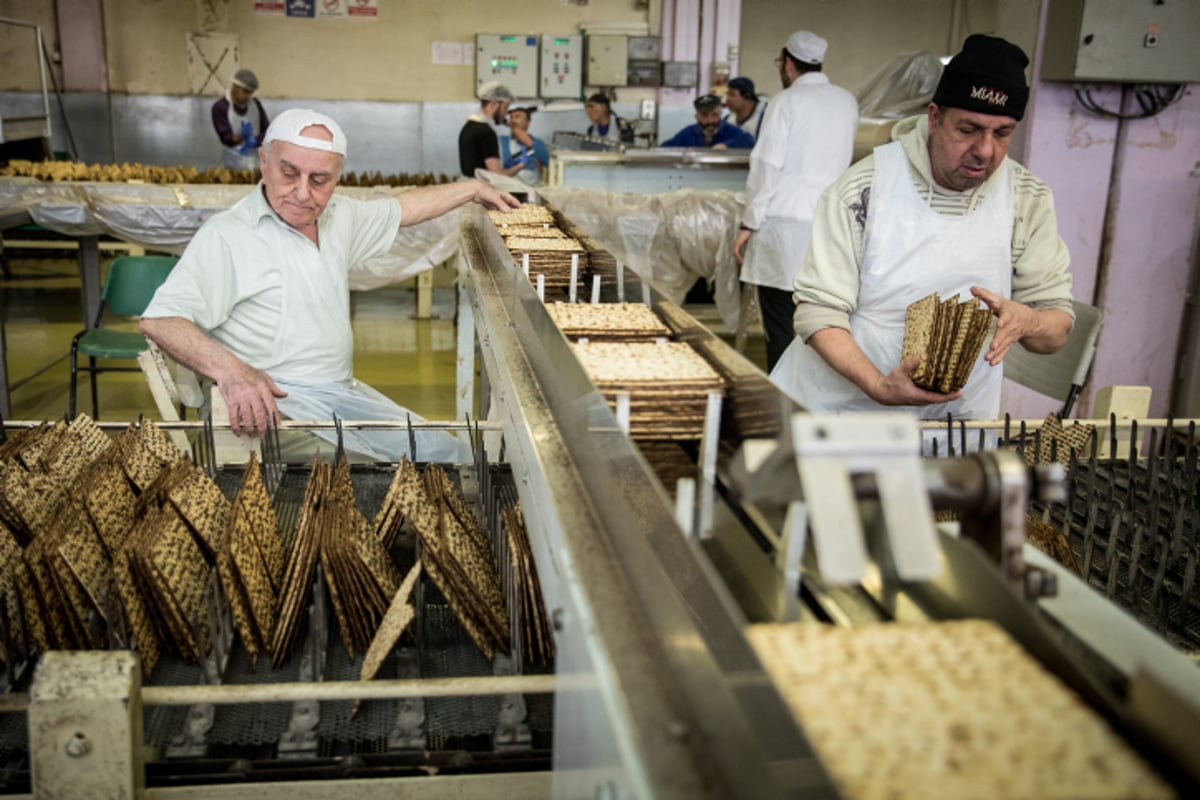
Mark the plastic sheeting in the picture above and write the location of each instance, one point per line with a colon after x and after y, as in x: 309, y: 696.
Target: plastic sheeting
x: 165, y: 217
x: 671, y: 240
x: 901, y: 87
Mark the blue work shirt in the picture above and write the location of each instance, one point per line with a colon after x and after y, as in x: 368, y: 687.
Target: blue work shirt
x: 693, y: 136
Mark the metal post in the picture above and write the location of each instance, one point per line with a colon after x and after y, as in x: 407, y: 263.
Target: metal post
x: 85, y: 726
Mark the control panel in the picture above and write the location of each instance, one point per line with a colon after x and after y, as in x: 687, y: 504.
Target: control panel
x: 509, y: 58
x: 607, y: 60
x: 1151, y: 41
x: 562, y: 66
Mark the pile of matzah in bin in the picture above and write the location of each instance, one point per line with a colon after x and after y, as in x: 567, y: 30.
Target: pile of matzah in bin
x: 668, y: 384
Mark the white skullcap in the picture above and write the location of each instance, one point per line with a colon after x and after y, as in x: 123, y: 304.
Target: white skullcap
x: 806, y: 46
x: 287, y: 126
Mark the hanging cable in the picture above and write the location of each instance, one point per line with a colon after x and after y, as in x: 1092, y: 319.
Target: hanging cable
x: 1152, y: 99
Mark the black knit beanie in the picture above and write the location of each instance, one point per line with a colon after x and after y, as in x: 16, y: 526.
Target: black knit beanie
x: 988, y: 76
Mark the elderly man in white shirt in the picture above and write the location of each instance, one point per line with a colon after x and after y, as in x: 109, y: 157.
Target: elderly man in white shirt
x: 260, y: 305
x: 806, y: 142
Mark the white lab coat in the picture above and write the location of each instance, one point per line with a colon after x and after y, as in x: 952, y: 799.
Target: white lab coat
x: 806, y: 143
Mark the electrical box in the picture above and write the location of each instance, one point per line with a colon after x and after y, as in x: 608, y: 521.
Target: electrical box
x: 509, y: 58
x: 680, y: 74
x: 1122, y: 41
x: 644, y: 73
x: 645, y: 48
x: 562, y: 66
x: 607, y: 57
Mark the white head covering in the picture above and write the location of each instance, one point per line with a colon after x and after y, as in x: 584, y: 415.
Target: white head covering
x: 287, y: 126
x: 495, y: 90
x: 806, y: 46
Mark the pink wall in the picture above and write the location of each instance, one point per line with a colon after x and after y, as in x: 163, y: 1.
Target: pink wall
x: 1157, y: 192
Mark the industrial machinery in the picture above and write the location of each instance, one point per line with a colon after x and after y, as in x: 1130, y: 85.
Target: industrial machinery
x: 651, y: 585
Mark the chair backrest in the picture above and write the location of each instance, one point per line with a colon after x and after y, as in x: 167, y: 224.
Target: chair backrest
x: 133, y: 280
x: 1061, y: 374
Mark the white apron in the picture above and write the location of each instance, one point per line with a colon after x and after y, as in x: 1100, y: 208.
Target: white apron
x: 775, y: 252
x: 231, y: 158
x: 912, y: 251
x: 316, y: 310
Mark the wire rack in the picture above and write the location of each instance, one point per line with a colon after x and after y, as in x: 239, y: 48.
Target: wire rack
x: 1132, y: 517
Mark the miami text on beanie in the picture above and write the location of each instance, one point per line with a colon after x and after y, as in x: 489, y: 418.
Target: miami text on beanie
x: 988, y: 76
x: 287, y: 126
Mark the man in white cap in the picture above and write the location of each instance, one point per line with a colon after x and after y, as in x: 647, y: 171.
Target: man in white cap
x: 941, y: 208
x: 240, y: 122
x: 805, y: 141
x: 259, y: 303
x: 478, y: 143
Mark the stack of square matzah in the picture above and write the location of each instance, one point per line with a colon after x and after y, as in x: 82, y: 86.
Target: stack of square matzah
x: 668, y: 384
x: 302, y: 560
x: 952, y: 709
x: 1056, y: 442
x: 552, y: 258
x: 357, y: 571
x: 528, y: 605
x: 525, y: 215
x: 250, y: 562
x: 949, y: 336
x: 611, y: 322
x: 454, y: 552
x: 532, y: 232
x: 752, y: 407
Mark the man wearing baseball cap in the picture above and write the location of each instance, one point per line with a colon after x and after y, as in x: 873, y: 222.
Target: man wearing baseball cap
x: 259, y: 303
x: 240, y: 122
x: 478, y: 143
x: 806, y: 141
x: 941, y: 209
x: 710, y: 130
x: 746, y: 109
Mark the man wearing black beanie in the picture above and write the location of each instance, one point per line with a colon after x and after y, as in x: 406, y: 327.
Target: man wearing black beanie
x: 939, y: 209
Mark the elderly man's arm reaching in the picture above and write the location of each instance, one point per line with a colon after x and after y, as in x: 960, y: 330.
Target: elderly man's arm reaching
x: 432, y: 201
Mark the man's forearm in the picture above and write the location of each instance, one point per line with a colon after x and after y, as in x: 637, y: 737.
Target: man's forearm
x: 841, y: 352
x: 189, y: 345
x: 1053, y: 327
x: 433, y: 201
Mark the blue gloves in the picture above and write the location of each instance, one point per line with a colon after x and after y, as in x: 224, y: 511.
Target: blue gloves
x: 248, y: 140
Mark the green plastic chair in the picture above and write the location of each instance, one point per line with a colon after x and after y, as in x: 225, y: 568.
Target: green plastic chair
x: 128, y: 289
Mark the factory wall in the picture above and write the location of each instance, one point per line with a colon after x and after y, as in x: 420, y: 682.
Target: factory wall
x: 862, y: 34
x: 1147, y: 182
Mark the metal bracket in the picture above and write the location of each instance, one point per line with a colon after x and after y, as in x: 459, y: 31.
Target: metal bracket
x: 830, y: 452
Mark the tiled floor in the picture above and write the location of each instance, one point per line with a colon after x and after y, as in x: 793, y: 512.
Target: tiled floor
x: 411, y: 361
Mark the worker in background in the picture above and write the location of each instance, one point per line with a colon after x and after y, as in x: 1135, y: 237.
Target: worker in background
x: 478, y: 143
x: 939, y: 209
x: 807, y: 141
x: 746, y: 109
x: 523, y: 148
x: 240, y: 122
x: 259, y: 304
x: 605, y: 123
x: 709, y: 129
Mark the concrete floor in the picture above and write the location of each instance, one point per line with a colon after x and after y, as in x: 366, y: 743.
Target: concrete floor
x: 411, y: 361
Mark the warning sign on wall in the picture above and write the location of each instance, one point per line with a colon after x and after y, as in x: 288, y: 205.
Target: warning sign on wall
x: 302, y: 8
x: 276, y: 7
x: 362, y: 9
